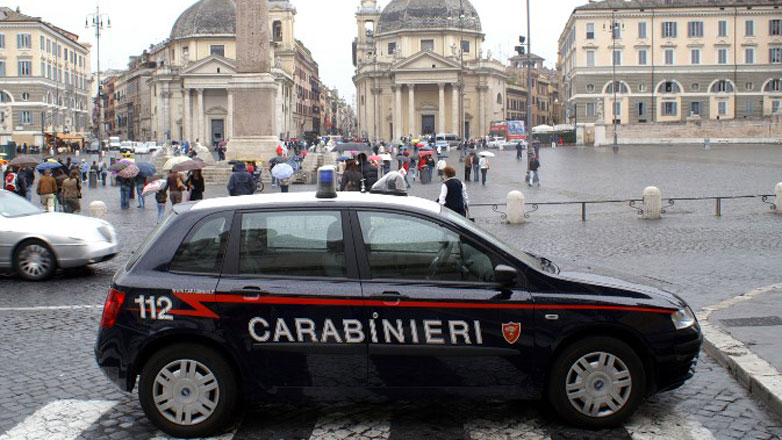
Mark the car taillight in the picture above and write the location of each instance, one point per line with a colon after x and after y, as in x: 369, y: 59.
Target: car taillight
x: 112, y: 307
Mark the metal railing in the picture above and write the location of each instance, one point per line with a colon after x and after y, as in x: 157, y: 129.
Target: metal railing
x: 636, y: 204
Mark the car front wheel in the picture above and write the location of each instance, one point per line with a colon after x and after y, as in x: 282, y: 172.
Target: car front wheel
x: 597, y: 382
x: 34, y: 261
x: 188, y: 390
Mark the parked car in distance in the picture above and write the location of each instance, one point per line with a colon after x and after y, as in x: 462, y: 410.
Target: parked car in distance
x: 32, y: 247
x: 450, y: 138
x: 93, y: 147
x: 494, y: 142
x: 510, y: 144
x: 127, y: 147
x: 114, y: 143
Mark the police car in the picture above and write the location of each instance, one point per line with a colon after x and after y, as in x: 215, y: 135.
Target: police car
x: 272, y: 297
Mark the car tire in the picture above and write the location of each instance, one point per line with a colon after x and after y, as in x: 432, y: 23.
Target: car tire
x: 199, y: 405
x: 596, y: 383
x: 34, y: 260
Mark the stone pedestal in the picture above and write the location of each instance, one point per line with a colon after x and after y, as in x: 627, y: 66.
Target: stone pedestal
x: 515, y: 203
x: 600, y: 134
x: 652, y: 203
x: 254, y: 119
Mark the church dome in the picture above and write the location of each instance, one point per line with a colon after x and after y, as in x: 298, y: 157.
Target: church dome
x: 427, y: 14
x: 205, y: 18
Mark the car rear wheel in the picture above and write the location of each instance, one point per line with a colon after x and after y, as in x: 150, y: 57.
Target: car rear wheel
x: 34, y: 261
x: 188, y: 390
x: 597, y: 382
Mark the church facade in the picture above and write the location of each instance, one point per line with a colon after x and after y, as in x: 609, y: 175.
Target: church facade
x: 189, y: 88
x: 412, y: 60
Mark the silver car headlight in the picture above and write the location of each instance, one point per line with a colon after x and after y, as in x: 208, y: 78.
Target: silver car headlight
x: 683, y: 318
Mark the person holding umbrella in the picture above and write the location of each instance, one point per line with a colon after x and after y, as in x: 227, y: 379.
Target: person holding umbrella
x: 196, y: 186
x: 47, y: 189
x: 175, y: 187
x: 71, y: 193
x: 283, y: 172
x: 141, y: 182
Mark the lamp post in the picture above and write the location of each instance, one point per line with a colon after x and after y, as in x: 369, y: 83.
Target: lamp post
x: 614, y: 31
x: 529, y: 77
x: 462, y: 150
x: 99, y: 22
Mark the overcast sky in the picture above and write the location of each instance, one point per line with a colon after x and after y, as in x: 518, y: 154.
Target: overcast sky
x: 327, y: 27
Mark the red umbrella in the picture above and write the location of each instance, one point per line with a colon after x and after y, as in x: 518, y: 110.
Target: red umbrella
x: 425, y: 153
x: 375, y: 157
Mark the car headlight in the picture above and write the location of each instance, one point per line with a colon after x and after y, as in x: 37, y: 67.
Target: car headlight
x: 683, y: 318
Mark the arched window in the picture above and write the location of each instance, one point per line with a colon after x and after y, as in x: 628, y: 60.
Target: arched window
x: 775, y: 85
x: 277, y: 31
x: 5, y: 97
x: 499, y: 98
x: 620, y: 87
x: 369, y: 28
x: 722, y: 86
x: 669, y: 87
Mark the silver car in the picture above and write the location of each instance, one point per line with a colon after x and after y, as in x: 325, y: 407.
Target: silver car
x: 34, y: 243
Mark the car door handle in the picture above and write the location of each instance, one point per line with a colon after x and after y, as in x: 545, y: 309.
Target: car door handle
x: 389, y: 295
x: 249, y: 292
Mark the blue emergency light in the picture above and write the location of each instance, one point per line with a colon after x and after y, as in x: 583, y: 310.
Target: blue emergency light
x: 327, y: 182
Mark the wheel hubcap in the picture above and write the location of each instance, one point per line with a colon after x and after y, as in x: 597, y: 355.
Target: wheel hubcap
x: 598, y: 384
x: 186, y: 392
x: 35, y: 260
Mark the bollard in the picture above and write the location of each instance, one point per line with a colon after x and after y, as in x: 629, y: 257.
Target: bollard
x: 93, y: 179
x: 707, y: 144
x: 778, y: 203
x: 515, y: 201
x: 652, y: 203
x: 98, y: 209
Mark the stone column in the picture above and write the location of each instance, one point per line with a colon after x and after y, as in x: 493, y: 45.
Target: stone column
x: 199, y: 116
x: 229, y: 119
x: 441, y: 110
x: 255, y: 91
x: 482, y: 103
x: 161, y: 125
x: 455, y: 109
x: 187, y: 115
x: 411, y: 108
x: 397, y: 112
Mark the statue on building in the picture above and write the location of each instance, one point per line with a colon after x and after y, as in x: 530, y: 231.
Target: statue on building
x: 5, y: 119
x: 600, y: 114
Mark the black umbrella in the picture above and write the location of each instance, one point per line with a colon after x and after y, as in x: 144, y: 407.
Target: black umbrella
x: 341, y: 148
x: 24, y: 161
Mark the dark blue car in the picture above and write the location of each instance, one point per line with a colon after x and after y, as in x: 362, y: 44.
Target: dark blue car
x: 273, y: 297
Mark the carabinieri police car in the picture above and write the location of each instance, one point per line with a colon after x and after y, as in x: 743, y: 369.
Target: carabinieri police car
x: 274, y: 297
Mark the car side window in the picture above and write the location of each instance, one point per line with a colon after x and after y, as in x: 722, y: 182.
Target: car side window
x: 203, y: 249
x: 293, y: 243
x: 410, y: 248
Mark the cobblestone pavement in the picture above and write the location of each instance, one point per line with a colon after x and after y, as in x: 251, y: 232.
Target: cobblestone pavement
x: 50, y: 386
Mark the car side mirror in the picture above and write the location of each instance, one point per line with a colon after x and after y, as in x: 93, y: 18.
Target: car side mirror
x: 505, y: 275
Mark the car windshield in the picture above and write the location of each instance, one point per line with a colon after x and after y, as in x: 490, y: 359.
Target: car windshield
x: 525, y: 257
x: 12, y: 206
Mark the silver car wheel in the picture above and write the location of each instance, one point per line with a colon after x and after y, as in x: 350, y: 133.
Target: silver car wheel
x: 186, y: 392
x: 598, y: 384
x: 35, y: 260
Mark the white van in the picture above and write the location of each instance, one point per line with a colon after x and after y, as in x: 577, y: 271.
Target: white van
x: 114, y: 143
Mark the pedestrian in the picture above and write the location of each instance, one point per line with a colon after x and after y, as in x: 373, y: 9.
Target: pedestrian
x: 15, y: 182
x: 47, y: 189
x: 241, y: 182
x: 71, y: 193
x: 453, y: 194
x: 175, y: 187
x: 534, y: 172
x: 140, y: 182
x: 60, y: 175
x: 441, y: 164
x: 195, y: 184
x: 468, y: 167
x: 29, y: 178
x: 161, y: 197
x: 476, y: 175
x: 351, y: 180
x: 485, y: 166
x: 368, y: 171
x: 125, y: 188
x: 84, y: 167
x: 519, y: 151
x: 285, y: 185
x: 104, y: 173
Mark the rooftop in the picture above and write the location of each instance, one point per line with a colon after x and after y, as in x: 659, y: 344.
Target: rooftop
x: 639, y: 4
x: 343, y: 199
x: 427, y: 14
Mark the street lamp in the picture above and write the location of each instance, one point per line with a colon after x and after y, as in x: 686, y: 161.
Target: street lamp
x: 615, y: 30
x: 99, y: 22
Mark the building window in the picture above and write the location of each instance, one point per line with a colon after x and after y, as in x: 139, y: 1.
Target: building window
x: 775, y: 55
x: 669, y: 57
x: 617, y: 58
x: 775, y: 27
x: 590, y: 109
x: 43, y: 43
x: 277, y: 31
x: 48, y: 71
x: 642, y: 87
x: 25, y: 96
x: 24, y: 41
x: 617, y: 34
x: 590, y: 58
x: 749, y: 55
x: 217, y: 49
x: 2, y: 41
x: 641, y: 109
x: 722, y: 86
x: 621, y: 88
x: 590, y: 31
x: 776, y: 106
x: 670, y: 108
x: 775, y: 85
x: 590, y: 88
x: 642, y: 29
x: 2, y: 67
x: 27, y: 117
x: 722, y: 56
x: 465, y: 46
x: 670, y: 87
x: 391, y: 48
x: 695, y: 29
x: 722, y: 108
x: 642, y: 57
x: 669, y: 29
x: 427, y: 45
x: 48, y: 46
x: 185, y: 52
x: 749, y: 86
x: 749, y: 108
x: 749, y: 28
x: 722, y: 28
x: 695, y: 87
x: 695, y: 56
x: 617, y: 109
x: 25, y: 68
x: 696, y: 108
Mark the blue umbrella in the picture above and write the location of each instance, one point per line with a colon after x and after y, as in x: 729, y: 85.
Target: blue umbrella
x: 427, y: 149
x: 344, y: 158
x: 146, y: 169
x: 442, y: 156
x: 48, y: 166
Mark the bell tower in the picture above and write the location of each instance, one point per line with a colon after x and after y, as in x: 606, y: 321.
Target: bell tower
x: 367, y: 19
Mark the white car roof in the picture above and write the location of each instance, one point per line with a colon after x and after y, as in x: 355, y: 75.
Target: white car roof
x: 345, y: 199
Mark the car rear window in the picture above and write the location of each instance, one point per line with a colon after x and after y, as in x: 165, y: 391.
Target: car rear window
x: 151, y: 238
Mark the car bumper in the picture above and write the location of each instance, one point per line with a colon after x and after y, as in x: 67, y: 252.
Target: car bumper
x: 678, y: 364
x: 85, y: 254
